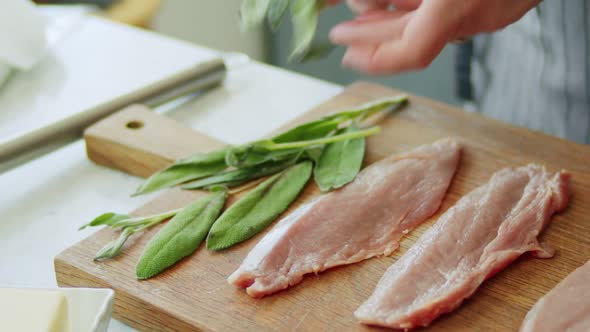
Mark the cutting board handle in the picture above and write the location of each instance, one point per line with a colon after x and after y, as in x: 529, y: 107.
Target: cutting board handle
x: 140, y: 142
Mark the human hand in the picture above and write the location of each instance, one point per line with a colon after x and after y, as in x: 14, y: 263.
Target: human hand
x: 409, y: 37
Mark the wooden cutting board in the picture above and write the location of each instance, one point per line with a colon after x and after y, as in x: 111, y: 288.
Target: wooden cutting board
x: 194, y: 295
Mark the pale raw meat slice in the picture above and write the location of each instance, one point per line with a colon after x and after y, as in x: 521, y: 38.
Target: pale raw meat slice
x: 366, y: 218
x: 565, y: 308
x: 481, y: 234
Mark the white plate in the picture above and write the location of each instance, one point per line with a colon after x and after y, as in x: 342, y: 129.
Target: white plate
x: 90, y: 309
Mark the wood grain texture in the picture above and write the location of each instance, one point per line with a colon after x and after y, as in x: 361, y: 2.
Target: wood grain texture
x: 194, y: 295
x: 140, y: 142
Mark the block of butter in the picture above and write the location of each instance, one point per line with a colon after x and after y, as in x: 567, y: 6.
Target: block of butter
x: 34, y: 310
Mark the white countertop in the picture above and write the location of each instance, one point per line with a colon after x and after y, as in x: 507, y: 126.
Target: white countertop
x: 43, y: 202
x: 95, y: 62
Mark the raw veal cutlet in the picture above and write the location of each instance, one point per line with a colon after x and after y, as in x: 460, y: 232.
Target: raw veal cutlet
x: 565, y: 308
x: 477, y: 237
x: 366, y: 218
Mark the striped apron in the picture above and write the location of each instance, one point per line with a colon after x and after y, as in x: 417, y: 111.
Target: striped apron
x: 534, y: 73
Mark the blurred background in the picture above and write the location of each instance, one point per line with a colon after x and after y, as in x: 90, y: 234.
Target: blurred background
x: 193, y: 21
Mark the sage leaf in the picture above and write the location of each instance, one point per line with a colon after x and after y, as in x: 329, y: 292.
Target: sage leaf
x: 177, y: 175
x: 192, y: 168
x: 317, y: 51
x: 232, y: 157
x: 146, y: 220
x: 276, y: 12
x: 304, y: 15
x: 181, y: 236
x: 107, y: 219
x: 240, y: 175
x: 340, y: 162
x: 253, y: 158
x: 328, y: 124
x: 129, y: 226
x: 272, y: 146
x: 207, y: 158
x: 313, y: 154
x: 113, y: 248
x: 369, y: 109
x: 253, y: 12
x: 307, y: 131
x: 259, y: 207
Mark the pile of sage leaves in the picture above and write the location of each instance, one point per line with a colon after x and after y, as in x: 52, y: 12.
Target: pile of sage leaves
x: 331, y: 149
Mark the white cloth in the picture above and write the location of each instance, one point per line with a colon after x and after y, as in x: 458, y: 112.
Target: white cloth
x: 28, y: 32
x: 22, y: 34
x: 23, y: 39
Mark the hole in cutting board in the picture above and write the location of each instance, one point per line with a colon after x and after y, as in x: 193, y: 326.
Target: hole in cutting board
x: 134, y: 124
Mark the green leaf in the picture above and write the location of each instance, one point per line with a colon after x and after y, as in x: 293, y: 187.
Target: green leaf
x: 146, y: 220
x: 207, y: 158
x: 107, y: 219
x: 177, y: 175
x: 307, y: 131
x: 259, y: 208
x: 253, y: 12
x: 256, y: 157
x: 129, y: 226
x: 181, y: 236
x: 192, y: 168
x: 240, y: 175
x: 225, y: 186
x: 366, y: 110
x: 232, y: 157
x: 328, y: 124
x: 313, y: 154
x: 340, y: 162
x: 317, y: 51
x: 272, y: 146
x: 217, y: 188
x: 276, y: 12
x: 113, y: 248
x: 304, y: 14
